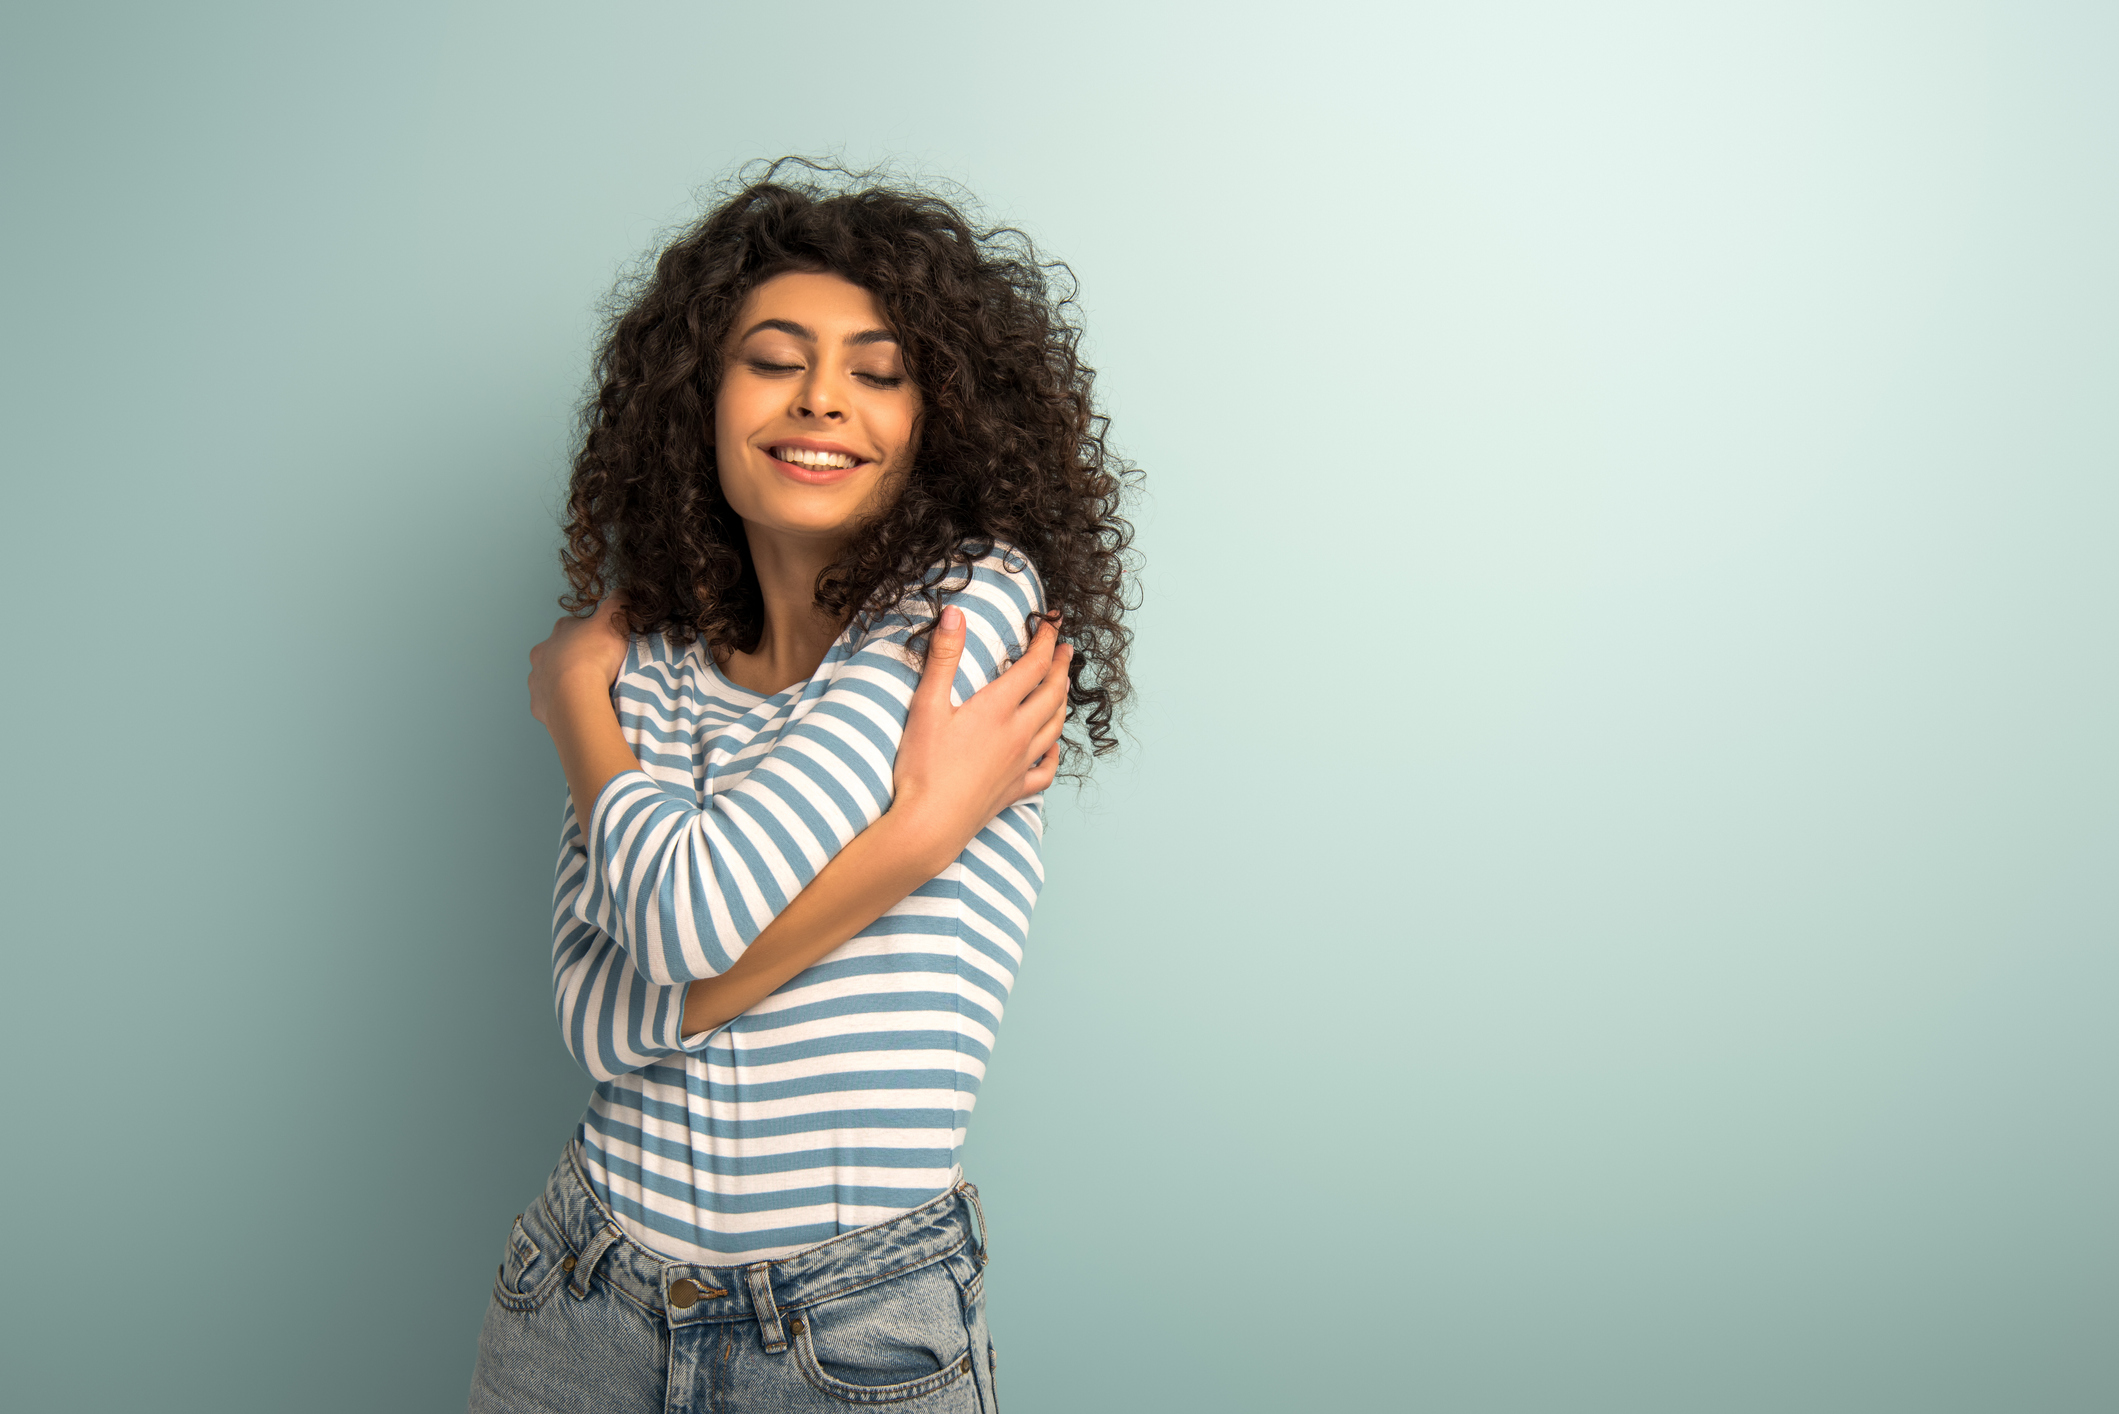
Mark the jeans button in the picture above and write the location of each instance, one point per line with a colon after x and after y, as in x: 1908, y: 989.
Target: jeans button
x: 683, y: 1292
x: 566, y: 1264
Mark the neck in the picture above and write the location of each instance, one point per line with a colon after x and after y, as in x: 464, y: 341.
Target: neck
x: 797, y: 633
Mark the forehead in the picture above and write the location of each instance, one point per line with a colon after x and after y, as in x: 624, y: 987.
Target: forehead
x: 829, y: 304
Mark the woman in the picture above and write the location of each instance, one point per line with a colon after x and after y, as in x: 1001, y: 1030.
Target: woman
x: 834, y: 431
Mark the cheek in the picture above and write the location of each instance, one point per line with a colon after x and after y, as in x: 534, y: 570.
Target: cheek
x: 733, y: 422
x: 728, y: 457
x: 728, y: 424
x: 903, y: 432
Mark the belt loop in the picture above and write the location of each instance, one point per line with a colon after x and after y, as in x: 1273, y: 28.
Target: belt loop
x: 760, y: 1279
x: 585, y: 1264
x: 971, y: 1191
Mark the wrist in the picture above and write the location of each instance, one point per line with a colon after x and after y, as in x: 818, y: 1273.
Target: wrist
x: 575, y: 693
x: 918, y: 838
x: 583, y: 679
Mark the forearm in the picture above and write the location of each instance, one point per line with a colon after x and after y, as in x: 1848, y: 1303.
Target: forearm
x: 592, y: 749
x: 689, y: 885
x: 877, y: 868
x: 678, y: 884
x: 613, y: 1020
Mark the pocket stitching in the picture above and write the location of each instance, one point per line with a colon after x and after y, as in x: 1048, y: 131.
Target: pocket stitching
x: 524, y: 1301
x: 806, y: 1362
x: 520, y: 1237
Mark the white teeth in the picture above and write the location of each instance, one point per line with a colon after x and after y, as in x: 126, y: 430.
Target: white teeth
x: 802, y: 456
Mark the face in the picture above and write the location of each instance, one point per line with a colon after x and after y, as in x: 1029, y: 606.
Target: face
x: 815, y: 423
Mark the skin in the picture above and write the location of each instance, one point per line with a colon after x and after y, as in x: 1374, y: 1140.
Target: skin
x: 810, y: 359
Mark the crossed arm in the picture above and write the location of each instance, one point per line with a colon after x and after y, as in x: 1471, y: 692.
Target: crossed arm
x: 956, y: 768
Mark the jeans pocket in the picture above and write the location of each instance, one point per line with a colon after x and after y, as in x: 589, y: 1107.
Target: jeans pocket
x: 531, y: 1268
x: 898, y: 1340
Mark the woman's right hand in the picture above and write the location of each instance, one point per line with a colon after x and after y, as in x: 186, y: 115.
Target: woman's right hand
x: 591, y: 650
x: 958, y: 767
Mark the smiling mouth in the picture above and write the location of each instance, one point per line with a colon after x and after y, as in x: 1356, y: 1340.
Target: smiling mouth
x: 815, y: 461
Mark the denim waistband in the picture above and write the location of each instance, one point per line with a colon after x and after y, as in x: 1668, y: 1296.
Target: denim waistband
x: 760, y: 1291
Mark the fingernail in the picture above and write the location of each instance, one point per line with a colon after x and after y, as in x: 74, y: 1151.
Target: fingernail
x: 952, y: 617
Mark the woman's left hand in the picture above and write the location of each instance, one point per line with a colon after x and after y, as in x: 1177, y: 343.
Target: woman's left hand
x: 958, y: 767
x: 589, y: 650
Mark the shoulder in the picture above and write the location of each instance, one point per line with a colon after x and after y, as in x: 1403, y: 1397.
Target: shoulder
x: 1002, y: 585
x: 998, y: 591
x: 654, y: 653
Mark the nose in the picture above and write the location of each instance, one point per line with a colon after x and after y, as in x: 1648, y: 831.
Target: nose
x: 819, y: 397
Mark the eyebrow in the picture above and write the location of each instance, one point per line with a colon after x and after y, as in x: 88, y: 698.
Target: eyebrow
x: 788, y: 326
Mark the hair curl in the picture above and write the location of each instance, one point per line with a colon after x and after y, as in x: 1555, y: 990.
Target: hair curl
x: 1011, y: 446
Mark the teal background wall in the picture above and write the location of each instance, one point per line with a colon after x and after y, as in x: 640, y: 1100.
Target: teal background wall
x: 1611, y: 906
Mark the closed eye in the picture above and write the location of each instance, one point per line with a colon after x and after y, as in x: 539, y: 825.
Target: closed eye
x: 878, y: 380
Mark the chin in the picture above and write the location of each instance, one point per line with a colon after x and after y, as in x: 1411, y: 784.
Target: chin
x: 809, y: 522
x: 807, y: 512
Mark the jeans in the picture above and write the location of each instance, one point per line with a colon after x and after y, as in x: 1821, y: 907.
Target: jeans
x: 583, y: 1318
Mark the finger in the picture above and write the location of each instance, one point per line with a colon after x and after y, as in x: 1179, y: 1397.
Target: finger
x: 1048, y: 734
x: 1051, y: 691
x: 945, y: 647
x: 1041, y: 776
x: 1025, y: 672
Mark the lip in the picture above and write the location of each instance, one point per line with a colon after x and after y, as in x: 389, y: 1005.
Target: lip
x: 814, y: 475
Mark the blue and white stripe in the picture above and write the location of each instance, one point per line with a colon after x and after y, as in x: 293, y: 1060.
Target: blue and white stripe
x: 842, y: 1099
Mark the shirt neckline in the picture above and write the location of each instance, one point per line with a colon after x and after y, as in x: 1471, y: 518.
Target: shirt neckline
x: 706, y: 651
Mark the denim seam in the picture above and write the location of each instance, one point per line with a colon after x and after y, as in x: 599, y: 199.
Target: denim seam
x: 587, y: 1259
x: 527, y: 1241
x: 824, y: 1384
x: 566, y: 1239
x: 625, y: 1239
x: 810, y: 1302
x: 863, y: 1284
x: 527, y: 1301
x: 531, y: 1300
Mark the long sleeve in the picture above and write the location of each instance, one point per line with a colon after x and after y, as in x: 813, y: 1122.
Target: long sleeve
x: 665, y: 887
x: 614, y: 1021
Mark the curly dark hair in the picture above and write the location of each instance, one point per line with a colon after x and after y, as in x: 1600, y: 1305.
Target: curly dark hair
x: 1011, y: 446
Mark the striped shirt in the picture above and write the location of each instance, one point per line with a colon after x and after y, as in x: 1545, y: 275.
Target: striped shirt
x: 842, y: 1099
